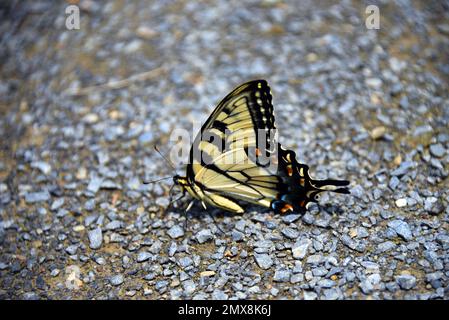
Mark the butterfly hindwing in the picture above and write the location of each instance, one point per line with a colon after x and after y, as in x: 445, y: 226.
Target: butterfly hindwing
x: 301, y: 188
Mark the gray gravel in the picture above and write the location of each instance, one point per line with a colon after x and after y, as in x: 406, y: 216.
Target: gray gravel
x: 406, y: 282
x: 116, y: 280
x: 204, y: 236
x: 401, y: 228
x: 299, y: 249
x: 264, y: 261
x: 370, y: 106
x: 175, y: 232
x: 95, y: 238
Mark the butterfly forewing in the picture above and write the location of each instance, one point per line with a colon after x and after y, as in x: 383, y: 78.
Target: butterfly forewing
x: 224, y: 154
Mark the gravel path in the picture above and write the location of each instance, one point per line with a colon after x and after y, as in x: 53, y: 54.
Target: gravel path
x: 370, y: 106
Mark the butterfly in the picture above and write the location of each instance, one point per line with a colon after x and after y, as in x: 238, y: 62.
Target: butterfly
x: 236, y: 157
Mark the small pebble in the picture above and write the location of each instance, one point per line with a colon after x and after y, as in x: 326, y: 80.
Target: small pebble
x: 378, y: 132
x: 95, y: 238
x: 204, y: 236
x: 143, y: 256
x: 116, y: 280
x: 406, y: 282
x: 437, y: 150
x: 400, y: 203
x: 264, y: 261
x: 402, y: 229
x: 175, y: 232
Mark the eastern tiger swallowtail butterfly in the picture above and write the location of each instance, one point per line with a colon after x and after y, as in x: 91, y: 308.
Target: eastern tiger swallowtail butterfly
x: 233, y: 132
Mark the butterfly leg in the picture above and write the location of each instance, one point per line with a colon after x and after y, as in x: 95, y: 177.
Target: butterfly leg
x: 185, y: 213
x: 175, y: 200
x: 189, y: 206
x: 216, y: 224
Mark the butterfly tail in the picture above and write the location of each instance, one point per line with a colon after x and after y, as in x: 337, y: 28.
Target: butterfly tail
x: 331, y: 185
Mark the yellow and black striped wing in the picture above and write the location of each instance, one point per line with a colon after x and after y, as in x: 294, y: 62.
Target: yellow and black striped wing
x: 224, y: 161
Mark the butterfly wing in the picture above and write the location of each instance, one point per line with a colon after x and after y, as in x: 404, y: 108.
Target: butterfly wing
x: 301, y: 189
x: 221, y: 166
x: 236, y: 156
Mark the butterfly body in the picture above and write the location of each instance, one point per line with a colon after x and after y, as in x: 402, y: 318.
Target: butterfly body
x: 236, y: 157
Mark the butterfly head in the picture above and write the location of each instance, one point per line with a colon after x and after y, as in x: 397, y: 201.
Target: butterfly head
x: 181, y: 181
x: 185, y: 185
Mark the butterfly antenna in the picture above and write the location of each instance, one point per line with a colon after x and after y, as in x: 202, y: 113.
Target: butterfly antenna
x: 157, y: 180
x: 165, y: 158
x: 166, y: 161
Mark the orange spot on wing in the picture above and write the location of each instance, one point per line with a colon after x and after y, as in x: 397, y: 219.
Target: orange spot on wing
x: 258, y: 152
x: 302, y: 203
x: 301, y: 182
x: 286, y: 208
x: 289, y: 171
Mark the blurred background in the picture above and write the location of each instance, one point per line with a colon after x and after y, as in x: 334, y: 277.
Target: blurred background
x: 81, y: 109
